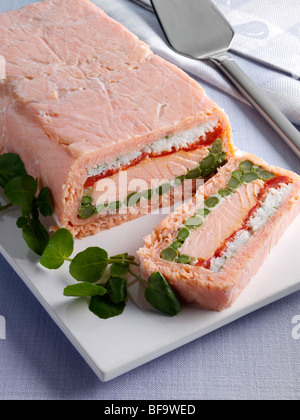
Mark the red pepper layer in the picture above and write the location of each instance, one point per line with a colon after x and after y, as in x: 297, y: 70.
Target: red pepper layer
x: 203, y: 141
x: 272, y: 183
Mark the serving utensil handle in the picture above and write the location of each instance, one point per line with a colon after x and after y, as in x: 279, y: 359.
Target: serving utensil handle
x: 143, y: 4
x: 259, y: 101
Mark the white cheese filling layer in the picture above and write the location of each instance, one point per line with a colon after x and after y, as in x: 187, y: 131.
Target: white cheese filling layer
x: 269, y: 206
x: 272, y: 202
x: 176, y: 141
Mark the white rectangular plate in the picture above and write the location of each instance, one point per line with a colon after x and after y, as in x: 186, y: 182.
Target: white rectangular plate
x: 115, y: 346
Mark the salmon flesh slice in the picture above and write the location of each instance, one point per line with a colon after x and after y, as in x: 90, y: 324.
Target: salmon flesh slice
x: 83, y: 100
x: 211, y: 247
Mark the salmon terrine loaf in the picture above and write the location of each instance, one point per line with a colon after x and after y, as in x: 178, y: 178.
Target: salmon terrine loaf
x: 210, y: 248
x: 98, y: 118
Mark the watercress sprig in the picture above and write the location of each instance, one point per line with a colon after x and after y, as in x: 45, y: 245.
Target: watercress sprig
x: 21, y: 190
x: 107, y: 290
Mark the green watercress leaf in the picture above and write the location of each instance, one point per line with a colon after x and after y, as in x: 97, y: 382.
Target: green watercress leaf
x: 59, y: 248
x: 35, y: 236
x: 117, y: 289
x: 21, y: 222
x: 21, y: 191
x: 45, y: 202
x: 161, y: 296
x: 11, y: 166
x: 104, y: 308
x: 84, y: 290
x: 89, y: 265
x: 119, y: 269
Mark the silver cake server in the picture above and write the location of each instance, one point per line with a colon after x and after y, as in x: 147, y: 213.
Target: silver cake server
x: 197, y: 29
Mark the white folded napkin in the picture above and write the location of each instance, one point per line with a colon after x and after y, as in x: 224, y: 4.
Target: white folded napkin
x: 266, y: 45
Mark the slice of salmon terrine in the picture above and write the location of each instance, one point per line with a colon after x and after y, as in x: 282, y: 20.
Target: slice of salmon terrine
x: 98, y: 118
x: 211, y: 247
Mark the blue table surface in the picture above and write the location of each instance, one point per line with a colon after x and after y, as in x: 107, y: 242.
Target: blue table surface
x: 255, y: 357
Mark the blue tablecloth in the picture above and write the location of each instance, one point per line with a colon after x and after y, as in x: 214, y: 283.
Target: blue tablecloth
x: 256, y: 357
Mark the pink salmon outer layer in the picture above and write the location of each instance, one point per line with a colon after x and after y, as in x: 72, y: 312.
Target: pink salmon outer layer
x: 201, y: 286
x: 80, y: 91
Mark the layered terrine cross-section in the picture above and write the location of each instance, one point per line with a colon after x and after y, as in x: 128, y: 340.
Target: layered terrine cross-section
x: 210, y: 248
x: 106, y: 124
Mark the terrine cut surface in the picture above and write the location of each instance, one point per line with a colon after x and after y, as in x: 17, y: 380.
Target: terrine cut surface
x: 210, y: 248
x: 85, y: 100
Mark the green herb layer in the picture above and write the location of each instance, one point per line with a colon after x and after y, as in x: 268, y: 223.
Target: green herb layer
x: 247, y: 172
x: 206, y: 168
